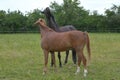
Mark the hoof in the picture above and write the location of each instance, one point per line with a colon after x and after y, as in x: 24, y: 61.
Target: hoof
x: 44, y: 73
x: 85, y: 75
x: 60, y: 66
x: 65, y: 62
x: 76, y: 73
x: 78, y: 70
x: 85, y: 72
x: 51, y: 65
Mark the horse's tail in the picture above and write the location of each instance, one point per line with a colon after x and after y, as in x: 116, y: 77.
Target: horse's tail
x: 88, y: 46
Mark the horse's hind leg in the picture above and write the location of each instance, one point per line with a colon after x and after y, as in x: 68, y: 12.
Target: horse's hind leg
x: 66, y: 58
x: 85, y: 65
x: 59, y: 57
x: 53, y: 59
x: 74, y: 56
x: 52, y: 54
x: 82, y: 57
x: 79, y: 61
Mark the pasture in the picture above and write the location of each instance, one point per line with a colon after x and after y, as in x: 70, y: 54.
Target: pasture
x: 21, y: 58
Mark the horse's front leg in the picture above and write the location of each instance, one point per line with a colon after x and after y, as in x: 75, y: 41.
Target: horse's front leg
x: 53, y: 59
x: 74, y: 56
x: 66, y: 58
x: 59, y: 57
x: 45, y: 61
x: 52, y: 62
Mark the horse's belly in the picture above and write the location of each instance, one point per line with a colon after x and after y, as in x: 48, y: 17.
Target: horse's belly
x: 59, y: 49
x: 61, y: 46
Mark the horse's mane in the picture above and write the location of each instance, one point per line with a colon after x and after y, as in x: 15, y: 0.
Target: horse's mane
x: 54, y: 20
x: 51, y: 20
x: 47, y: 28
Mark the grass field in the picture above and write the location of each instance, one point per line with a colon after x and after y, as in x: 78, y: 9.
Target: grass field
x: 21, y: 58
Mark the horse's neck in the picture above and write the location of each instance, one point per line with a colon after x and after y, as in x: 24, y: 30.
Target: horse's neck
x: 45, y: 29
x: 52, y: 24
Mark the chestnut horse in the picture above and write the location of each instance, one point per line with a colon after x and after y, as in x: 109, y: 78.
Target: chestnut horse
x: 54, y: 41
x: 52, y: 24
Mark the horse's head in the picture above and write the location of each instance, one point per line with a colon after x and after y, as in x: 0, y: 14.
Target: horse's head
x: 43, y: 25
x: 47, y: 12
x: 50, y: 19
x: 40, y: 21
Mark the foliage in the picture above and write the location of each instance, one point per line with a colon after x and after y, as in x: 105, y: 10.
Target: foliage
x: 113, y: 17
x: 70, y: 12
x: 32, y: 17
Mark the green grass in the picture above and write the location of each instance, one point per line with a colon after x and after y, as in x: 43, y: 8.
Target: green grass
x: 21, y: 58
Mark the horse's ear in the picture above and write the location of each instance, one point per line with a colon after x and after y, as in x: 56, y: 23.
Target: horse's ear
x: 47, y: 8
x: 40, y: 20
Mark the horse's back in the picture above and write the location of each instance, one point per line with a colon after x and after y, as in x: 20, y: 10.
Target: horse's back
x: 76, y: 33
x: 67, y: 28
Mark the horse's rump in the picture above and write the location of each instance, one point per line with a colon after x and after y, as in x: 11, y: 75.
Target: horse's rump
x: 67, y: 28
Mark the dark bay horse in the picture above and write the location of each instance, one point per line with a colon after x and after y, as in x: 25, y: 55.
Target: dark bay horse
x: 54, y: 41
x: 52, y: 24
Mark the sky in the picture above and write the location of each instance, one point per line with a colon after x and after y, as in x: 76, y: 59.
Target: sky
x: 29, y: 5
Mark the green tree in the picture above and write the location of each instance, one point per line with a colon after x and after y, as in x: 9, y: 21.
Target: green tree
x: 2, y: 20
x: 113, y: 18
x: 70, y: 12
x: 15, y: 21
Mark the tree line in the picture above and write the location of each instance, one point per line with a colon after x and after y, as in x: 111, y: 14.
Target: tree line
x: 70, y: 12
